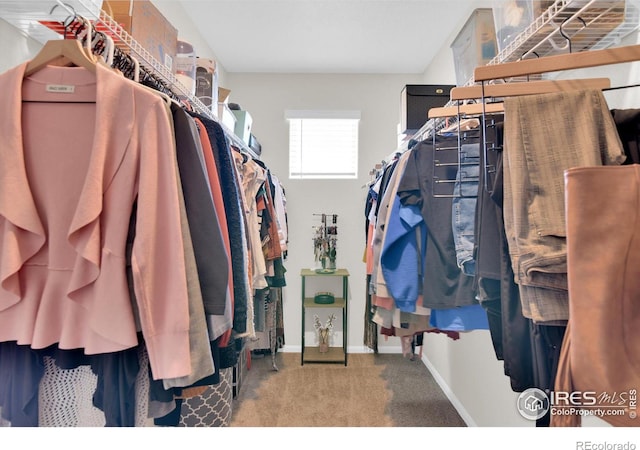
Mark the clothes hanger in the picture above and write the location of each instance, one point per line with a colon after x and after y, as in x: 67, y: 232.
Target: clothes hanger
x: 470, y: 109
x: 136, y: 69
x: 108, y: 48
x: 527, y: 88
x: 555, y: 63
x: 62, y: 52
x: 464, y: 124
x: 511, y: 90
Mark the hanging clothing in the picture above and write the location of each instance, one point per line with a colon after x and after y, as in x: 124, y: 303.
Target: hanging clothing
x: 536, y: 153
x: 92, y: 288
x: 628, y: 125
x: 207, y: 286
x: 209, y: 250
x: 246, y: 247
x: 444, y: 284
x: 218, y: 324
x: 235, y: 221
x: 601, y: 350
x: 280, y: 203
x: 462, y: 318
x: 21, y: 369
x: 496, y: 288
x: 386, y: 196
x: 402, y: 256
x: 253, y: 178
x: 381, y: 296
x: 463, y: 206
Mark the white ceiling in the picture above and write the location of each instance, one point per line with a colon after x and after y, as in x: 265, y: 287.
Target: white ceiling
x: 327, y: 36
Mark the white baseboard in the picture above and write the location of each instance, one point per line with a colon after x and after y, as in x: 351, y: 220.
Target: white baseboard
x: 457, y: 404
x: 352, y: 349
x: 290, y: 349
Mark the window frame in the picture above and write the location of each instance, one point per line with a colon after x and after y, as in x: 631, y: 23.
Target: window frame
x: 303, y: 115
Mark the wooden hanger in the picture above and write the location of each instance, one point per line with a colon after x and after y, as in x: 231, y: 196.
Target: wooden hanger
x: 527, y: 88
x: 579, y: 60
x: 61, y: 52
x: 461, y: 125
x: 472, y: 109
x: 66, y: 52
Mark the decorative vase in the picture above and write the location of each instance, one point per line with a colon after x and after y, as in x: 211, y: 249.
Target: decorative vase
x: 323, y: 337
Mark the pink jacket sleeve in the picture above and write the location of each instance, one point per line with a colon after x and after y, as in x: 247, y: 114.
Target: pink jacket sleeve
x: 157, y: 259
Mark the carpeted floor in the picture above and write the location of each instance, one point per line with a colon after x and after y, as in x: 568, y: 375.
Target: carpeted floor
x: 380, y: 390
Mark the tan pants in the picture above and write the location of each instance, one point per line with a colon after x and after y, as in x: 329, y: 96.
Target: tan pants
x: 601, y: 348
x: 543, y: 136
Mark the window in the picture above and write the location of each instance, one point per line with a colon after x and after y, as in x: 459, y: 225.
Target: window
x: 323, y: 144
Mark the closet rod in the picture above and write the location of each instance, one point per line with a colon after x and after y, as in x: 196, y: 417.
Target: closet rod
x: 580, y: 60
x: 527, y: 88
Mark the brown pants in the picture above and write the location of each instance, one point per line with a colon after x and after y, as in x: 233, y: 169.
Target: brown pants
x: 601, y: 348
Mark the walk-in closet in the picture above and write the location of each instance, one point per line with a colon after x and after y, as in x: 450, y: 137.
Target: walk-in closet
x: 338, y: 215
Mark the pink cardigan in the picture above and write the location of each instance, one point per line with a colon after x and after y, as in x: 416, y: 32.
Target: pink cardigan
x: 69, y: 176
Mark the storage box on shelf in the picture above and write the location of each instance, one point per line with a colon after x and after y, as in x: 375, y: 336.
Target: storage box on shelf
x: 255, y: 145
x: 475, y: 45
x: 243, y: 124
x: 207, y: 83
x: 533, y: 28
x: 416, y: 100
x: 512, y: 17
x: 226, y: 116
x: 186, y: 66
x: 146, y: 24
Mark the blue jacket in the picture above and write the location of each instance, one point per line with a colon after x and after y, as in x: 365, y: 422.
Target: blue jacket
x: 402, y: 257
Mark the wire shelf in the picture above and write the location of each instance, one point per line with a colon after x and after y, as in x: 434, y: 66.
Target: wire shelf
x: 38, y: 20
x: 571, y: 26
x: 586, y: 24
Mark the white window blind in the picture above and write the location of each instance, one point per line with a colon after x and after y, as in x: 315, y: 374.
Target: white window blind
x: 323, y: 144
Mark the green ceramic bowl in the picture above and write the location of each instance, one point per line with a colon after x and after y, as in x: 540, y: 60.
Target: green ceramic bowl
x: 324, y: 298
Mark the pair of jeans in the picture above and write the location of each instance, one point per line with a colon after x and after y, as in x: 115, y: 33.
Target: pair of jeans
x: 463, y: 207
x: 543, y: 136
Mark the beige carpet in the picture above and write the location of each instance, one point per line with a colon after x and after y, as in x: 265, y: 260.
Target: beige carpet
x: 372, y: 391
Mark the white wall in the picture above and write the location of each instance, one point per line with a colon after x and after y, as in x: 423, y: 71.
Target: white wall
x: 266, y: 97
x: 17, y: 47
